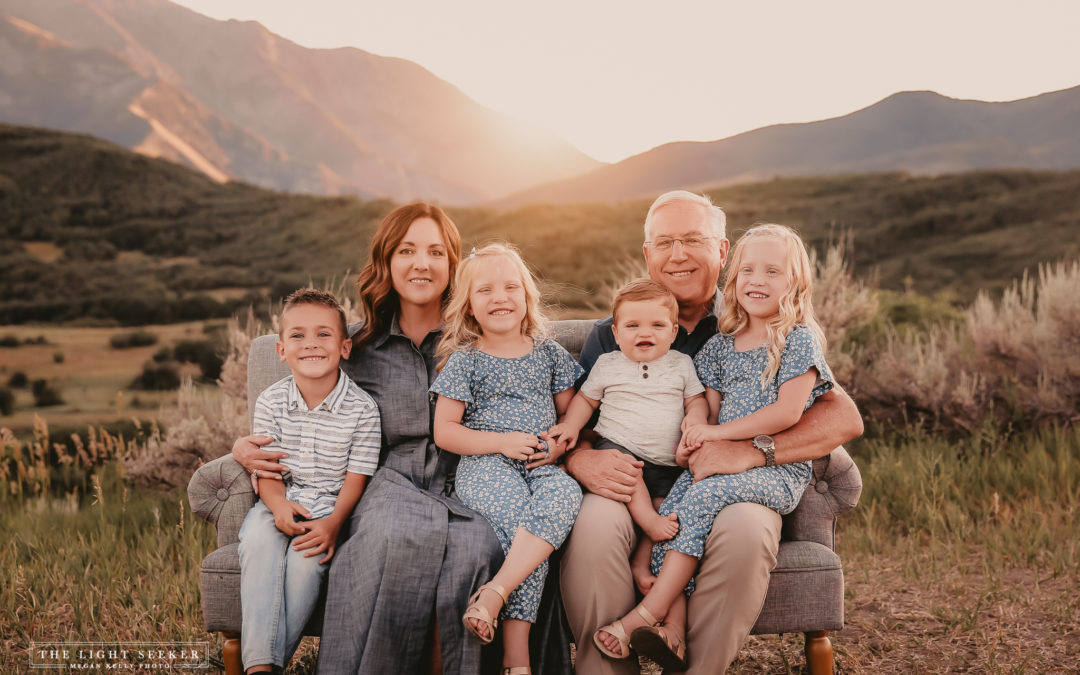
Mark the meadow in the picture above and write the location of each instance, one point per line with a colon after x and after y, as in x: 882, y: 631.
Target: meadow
x: 961, y: 557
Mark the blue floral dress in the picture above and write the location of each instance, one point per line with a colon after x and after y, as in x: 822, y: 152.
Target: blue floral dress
x: 737, y: 375
x: 514, y: 394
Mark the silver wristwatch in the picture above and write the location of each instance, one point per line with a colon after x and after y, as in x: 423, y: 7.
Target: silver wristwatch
x: 765, y: 444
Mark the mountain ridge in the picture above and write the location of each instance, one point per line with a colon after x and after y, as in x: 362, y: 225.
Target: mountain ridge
x: 324, y: 121
x: 889, y: 135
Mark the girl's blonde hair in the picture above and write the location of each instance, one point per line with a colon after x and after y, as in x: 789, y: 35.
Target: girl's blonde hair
x: 796, y: 304
x: 460, y: 327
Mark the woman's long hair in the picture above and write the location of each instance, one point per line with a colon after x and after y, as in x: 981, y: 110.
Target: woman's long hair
x: 374, y: 286
x: 796, y: 304
x: 460, y: 327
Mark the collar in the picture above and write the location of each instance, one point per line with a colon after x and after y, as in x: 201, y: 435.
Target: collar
x: 332, y: 403
x: 394, y: 329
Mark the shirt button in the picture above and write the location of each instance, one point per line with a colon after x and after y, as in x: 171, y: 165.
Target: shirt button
x: 644, y: 366
x: 645, y: 375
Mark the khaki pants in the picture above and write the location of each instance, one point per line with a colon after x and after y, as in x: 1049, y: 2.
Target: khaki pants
x: 731, y: 582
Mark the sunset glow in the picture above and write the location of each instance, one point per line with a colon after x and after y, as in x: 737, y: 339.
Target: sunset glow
x: 617, y: 78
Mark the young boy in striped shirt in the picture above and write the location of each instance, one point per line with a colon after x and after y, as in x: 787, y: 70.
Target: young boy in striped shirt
x: 330, y: 428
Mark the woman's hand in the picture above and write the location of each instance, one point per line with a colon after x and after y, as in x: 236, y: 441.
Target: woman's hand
x: 519, y: 445
x: 248, y: 451
x: 321, y: 537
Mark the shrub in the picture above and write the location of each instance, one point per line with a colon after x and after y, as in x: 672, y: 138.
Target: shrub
x: 58, y: 357
x: 9, y: 341
x: 1004, y: 367
x: 45, y: 394
x: 204, y: 353
x: 19, y: 380
x: 156, y: 377
x: 163, y: 354
x: 139, y: 338
x: 7, y: 401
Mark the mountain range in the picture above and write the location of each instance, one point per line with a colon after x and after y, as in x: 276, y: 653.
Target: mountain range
x: 919, y: 132
x: 235, y: 101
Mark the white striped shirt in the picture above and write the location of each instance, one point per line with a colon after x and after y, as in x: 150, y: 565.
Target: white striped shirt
x: 341, y: 434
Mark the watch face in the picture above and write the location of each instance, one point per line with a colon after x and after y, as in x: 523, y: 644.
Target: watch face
x: 763, y: 441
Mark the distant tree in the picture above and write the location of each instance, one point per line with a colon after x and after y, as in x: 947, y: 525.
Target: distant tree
x: 139, y: 338
x: 45, y: 394
x: 7, y: 401
x: 156, y: 377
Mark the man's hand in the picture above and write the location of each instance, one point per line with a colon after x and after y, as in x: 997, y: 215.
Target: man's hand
x: 607, y: 473
x: 248, y: 451
x: 723, y: 457
x: 321, y: 536
x: 285, y: 513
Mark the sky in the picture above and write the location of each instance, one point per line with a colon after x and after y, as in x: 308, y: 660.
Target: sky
x: 618, y: 77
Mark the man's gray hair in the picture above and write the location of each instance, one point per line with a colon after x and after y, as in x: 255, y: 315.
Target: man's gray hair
x: 713, y: 214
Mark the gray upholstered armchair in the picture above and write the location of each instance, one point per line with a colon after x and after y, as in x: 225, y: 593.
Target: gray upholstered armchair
x: 806, y: 591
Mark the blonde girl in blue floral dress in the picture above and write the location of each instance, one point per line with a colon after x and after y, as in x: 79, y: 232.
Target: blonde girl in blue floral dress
x: 761, y: 371
x: 501, y: 387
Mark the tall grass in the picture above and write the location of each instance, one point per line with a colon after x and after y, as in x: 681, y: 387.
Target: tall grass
x: 1017, y: 496
x: 115, y: 565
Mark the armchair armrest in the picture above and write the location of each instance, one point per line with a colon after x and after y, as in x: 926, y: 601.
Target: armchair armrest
x: 220, y: 491
x: 834, y: 488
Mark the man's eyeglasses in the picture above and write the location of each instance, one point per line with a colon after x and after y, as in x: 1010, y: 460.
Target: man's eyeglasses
x: 665, y: 243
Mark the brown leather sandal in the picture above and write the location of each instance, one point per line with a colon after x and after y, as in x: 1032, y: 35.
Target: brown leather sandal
x: 668, y: 651
x: 477, y: 611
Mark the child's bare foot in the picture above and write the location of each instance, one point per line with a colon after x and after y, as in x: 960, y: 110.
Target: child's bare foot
x: 659, y: 527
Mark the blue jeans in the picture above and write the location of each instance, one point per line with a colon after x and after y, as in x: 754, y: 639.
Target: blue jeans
x: 279, y: 589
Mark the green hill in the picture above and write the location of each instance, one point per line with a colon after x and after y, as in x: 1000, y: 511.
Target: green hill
x: 92, y: 232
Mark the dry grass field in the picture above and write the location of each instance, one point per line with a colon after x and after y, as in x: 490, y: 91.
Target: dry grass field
x: 93, y: 379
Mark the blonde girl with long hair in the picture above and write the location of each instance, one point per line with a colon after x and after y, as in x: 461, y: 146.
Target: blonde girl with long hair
x: 502, y: 385
x: 763, y: 369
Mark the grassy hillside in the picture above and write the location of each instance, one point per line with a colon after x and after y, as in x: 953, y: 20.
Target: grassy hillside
x: 90, y: 232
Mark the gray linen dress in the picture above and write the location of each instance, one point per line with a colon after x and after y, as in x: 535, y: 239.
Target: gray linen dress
x: 415, y: 553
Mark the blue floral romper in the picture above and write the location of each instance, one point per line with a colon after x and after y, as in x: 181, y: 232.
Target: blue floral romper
x: 737, y: 375
x: 514, y: 394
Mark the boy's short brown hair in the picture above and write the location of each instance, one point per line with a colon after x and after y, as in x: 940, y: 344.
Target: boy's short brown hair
x: 314, y: 296
x: 640, y: 290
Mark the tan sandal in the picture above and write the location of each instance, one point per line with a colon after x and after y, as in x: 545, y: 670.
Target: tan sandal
x: 669, y: 652
x: 615, y: 629
x: 477, y: 611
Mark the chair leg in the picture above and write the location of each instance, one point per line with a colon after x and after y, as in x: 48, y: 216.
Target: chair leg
x: 230, y: 654
x: 819, y: 654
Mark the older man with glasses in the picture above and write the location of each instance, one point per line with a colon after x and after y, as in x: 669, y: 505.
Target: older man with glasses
x: 685, y: 249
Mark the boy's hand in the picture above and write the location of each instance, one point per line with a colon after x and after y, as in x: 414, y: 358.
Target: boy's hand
x: 519, y: 445
x: 565, y: 434
x: 692, y: 420
x: 285, y: 518
x: 549, y: 452
x: 321, y: 536
x: 683, y: 452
